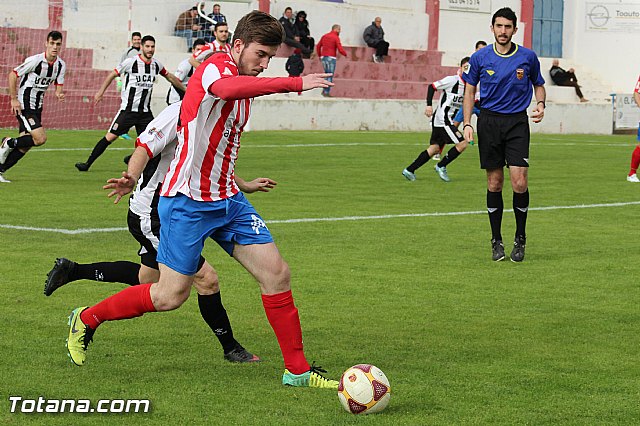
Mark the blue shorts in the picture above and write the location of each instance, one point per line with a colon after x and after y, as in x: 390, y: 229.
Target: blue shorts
x: 187, y: 223
x: 459, y: 118
x: 639, y: 132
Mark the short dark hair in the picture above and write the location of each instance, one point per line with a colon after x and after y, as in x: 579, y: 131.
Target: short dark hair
x: 136, y: 33
x: 194, y: 8
x: 216, y: 5
x: 288, y: 8
x: 480, y: 43
x: 259, y: 27
x: 54, y: 35
x: 465, y: 60
x: 220, y: 24
x: 147, y: 38
x: 506, y: 13
x: 301, y: 13
x: 199, y: 42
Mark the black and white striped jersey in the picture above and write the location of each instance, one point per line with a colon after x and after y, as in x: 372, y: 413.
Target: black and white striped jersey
x: 138, y: 77
x: 184, y: 72
x: 35, y: 75
x: 160, y: 140
x: 450, y: 101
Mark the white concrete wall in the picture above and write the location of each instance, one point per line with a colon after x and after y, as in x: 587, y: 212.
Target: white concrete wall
x: 459, y: 30
x: 405, y: 23
x: 13, y: 13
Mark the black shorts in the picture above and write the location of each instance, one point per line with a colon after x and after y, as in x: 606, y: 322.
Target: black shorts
x: 503, y: 139
x: 29, y: 120
x: 127, y: 119
x: 443, y: 135
x: 146, y: 230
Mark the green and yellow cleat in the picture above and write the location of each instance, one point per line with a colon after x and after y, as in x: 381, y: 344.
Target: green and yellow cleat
x: 80, y: 335
x: 310, y: 379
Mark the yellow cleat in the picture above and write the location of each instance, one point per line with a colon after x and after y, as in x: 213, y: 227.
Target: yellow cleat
x: 80, y: 335
x: 310, y: 379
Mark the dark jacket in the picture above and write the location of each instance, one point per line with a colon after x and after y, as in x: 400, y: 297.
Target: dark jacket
x: 289, y: 28
x: 302, y: 27
x: 558, y: 75
x: 294, y: 65
x: 372, y: 34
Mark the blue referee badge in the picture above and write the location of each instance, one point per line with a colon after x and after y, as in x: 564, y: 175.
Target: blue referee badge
x: 520, y: 73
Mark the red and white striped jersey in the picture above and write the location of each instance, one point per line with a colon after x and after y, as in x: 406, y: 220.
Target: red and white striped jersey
x: 139, y: 77
x: 35, y: 75
x: 208, y: 136
x: 211, y: 48
x: 211, y: 122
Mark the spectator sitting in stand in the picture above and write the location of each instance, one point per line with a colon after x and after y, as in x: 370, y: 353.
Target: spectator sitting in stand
x: 295, y: 65
x: 302, y: 29
x: 374, y: 37
x: 186, y: 24
x: 291, y: 36
x: 565, y: 78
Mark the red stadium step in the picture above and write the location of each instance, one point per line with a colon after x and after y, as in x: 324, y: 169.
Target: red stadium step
x: 384, y: 72
x: 365, y: 54
x: 373, y: 89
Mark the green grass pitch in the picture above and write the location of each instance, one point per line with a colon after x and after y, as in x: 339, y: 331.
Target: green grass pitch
x: 553, y: 340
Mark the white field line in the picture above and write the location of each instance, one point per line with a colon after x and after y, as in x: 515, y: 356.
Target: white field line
x: 336, y: 219
x: 631, y: 142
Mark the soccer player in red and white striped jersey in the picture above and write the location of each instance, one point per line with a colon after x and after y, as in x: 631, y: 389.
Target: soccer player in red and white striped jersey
x: 635, y: 156
x: 200, y: 199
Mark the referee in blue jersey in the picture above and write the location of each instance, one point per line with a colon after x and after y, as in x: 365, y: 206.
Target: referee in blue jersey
x: 509, y: 74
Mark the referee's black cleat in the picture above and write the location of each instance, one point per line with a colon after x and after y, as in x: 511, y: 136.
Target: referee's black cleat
x: 497, y: 250
x: 517, y: 254
x: 58, y: 275
x: 82, y: 167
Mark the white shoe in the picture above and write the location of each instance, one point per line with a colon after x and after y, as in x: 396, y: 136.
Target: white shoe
x: 633, y: 178
x: 410, y: 176
x: 436, y: 157
x: 4, y: 150
x: 442, y: 172
x: 375, y: 58
x: 3, y: 179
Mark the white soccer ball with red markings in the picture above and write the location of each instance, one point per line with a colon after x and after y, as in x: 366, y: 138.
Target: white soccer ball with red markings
x: 364, y: 389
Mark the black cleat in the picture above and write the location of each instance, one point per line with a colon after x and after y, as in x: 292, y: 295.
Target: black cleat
x: 497, y: 249
x: 126, y: 159
x: 82, y: 167
x: 58, y: 275
x: 240, y: 354
x: 517, y: 254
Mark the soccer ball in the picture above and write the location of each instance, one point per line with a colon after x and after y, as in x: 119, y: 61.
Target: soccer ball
x: 364, y: 389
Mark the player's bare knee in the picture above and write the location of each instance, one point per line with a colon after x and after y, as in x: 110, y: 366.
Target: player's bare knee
x: 279, y: 279
x: 39, y: 140
x: 206, y: 282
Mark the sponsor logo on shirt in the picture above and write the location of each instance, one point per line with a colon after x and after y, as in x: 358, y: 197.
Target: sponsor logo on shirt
x: 491, y: 72
x: 520, y: 73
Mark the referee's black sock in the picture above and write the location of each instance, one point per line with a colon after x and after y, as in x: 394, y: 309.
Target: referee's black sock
x: 113, y: 272
x: 13, y: 157
x: 495, y: 207
x: 452, y: 154
x: 216, y: 317
x: 100, y: 147
x: 24, y: 141
x: 419, y: 162
x: 520, y: 208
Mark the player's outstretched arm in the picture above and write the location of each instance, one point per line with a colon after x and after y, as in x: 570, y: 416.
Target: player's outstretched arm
x: 175, y: 81
x: 105, y: 85
x: 124, y: 185
x: 314, y: 81
x: 258, y: 184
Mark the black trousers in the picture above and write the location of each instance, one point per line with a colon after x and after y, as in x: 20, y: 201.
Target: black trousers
x: 382, y: 48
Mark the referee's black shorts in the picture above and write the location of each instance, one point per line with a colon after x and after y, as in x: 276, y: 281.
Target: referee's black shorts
x: 503, y: 139
x: 127, y: 119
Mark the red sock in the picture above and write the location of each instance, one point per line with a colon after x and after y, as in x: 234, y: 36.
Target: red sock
x: 283, y: 317
x: 635, y: 160
x: 129, y: 303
